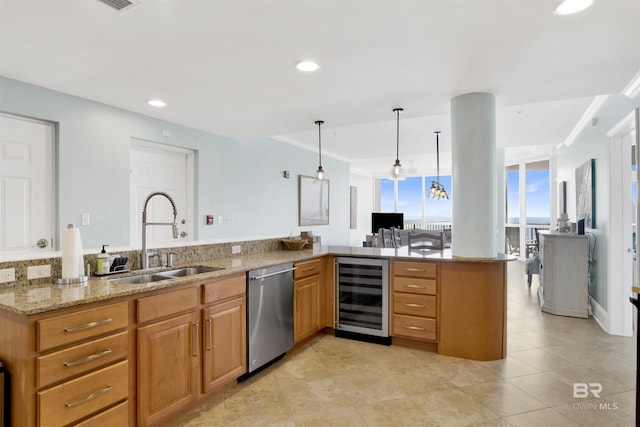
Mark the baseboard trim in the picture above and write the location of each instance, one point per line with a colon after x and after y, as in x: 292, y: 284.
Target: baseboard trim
x: 599, y: 314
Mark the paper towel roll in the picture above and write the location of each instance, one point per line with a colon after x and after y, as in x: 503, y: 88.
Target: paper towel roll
x: 72, y: 260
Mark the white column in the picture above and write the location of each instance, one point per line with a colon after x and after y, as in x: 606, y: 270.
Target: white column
x: 473, y: 196
x: 501, y: 199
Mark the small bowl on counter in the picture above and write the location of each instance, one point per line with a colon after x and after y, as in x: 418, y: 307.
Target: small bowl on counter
x: 294, y: 244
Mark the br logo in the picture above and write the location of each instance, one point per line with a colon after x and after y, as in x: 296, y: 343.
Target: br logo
x: 584, y: 390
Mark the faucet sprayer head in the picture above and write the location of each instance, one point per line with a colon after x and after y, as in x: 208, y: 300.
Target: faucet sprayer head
x: 175, y: 230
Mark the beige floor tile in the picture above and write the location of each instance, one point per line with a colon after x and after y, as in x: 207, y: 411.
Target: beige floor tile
x: 397, y: 413
x: 452, y: 407
x: 541, y: 418
x: 541, y: 359
x: 626, y: 402
x: 545, y: 388
x: 503, y: 398
x: 322, y: 415
x: 596, y: 413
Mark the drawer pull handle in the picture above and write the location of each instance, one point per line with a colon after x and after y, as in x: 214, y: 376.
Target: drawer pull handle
x: 209, y: 333
x: 88, y: 358
x: 89, y: 325
x: 414, y: 286
x: 413, y: 269
x: 88, y: 398
x: 415, y: 305
x: 194, y: 344
x: 414, y: 328
x: 309, y: 269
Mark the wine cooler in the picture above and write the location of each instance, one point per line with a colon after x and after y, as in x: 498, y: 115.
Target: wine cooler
x: 363, y: 299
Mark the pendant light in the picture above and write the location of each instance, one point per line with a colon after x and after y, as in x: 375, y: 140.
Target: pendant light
x: 320, y: 171
x: 396, y: 170
x: 437, y: 190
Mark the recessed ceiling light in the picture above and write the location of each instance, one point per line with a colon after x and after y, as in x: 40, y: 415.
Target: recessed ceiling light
x: 157, y: 103
x: 307, y: 66
x: 569, y: 7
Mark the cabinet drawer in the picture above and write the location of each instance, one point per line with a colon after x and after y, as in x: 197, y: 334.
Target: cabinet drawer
x: 414, y: 327
x: 307, y: 268
x: 116, y: 416
x: 414, y: 305
x: 69, y: 328
x: 81, y: 358
x: 415, y: 269
x: 414, y: 286
x: 226, y: 288
x: 65, y: 403
x: 157, y: 306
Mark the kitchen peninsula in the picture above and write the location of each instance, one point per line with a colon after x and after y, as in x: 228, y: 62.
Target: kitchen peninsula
x: 460, y: 311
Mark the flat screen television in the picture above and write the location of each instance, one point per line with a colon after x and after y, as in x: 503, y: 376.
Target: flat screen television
x: 386, y: 220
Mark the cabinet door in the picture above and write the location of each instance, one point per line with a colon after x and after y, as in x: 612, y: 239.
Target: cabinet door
x: 167, y: 367
x: 306, y: 308
x: 225, y: 344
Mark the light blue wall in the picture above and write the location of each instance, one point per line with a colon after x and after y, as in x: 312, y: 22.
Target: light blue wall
x: 592, y: 143
x: 241, y: 179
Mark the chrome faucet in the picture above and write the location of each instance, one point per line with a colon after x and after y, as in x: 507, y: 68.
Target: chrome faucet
x: 174, y: 226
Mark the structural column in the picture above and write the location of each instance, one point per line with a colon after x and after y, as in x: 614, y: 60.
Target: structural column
x: 473, y: 123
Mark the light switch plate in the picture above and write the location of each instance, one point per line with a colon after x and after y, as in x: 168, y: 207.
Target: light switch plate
x: 86, y: 219
x: 7, y: 275
x: 38, y: 271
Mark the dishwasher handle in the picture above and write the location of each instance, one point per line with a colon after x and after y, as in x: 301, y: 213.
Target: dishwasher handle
x: 264, y: 276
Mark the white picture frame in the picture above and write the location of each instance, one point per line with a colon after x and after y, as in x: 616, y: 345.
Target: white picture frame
x: 313, y: 196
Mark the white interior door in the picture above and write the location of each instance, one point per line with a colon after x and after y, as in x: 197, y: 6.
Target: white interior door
x: 27, y: 185
x: 157, y: 167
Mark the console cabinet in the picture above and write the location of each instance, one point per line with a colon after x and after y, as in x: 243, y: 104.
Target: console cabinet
x: 564, y: 274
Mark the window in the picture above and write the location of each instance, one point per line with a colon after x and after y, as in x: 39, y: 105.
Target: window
x: 419, y: 211
x: 537, y: 193
x: 526, y: 215
x: 513, y: 195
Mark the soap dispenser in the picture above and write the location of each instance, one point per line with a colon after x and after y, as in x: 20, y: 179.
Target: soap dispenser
x: 104, y: 262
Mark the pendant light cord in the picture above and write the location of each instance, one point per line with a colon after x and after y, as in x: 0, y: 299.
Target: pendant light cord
x: 319, y: 123
x: 438, y: 155
x: 398, y: 110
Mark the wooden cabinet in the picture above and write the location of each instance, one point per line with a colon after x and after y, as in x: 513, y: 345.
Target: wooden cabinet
x: 168, y: 354
x: 414, y: 304
x: 307, y: 286
x: 224, y: 341
x: 87, y: 372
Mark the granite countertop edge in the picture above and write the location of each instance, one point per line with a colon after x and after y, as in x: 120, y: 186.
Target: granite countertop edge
x: 31, y: 297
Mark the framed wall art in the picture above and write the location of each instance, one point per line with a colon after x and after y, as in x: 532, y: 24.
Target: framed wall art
x: 313, y: 205
x: 585, y: 193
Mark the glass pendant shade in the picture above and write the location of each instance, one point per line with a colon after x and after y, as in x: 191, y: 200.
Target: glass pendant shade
x: 320, y: 174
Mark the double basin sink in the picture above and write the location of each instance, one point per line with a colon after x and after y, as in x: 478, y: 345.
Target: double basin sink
x: 164, y: 275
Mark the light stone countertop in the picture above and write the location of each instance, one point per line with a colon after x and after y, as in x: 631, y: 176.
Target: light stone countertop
x: 30, y: 297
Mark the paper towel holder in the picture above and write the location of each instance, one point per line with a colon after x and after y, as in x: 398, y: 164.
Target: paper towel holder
x: 82, y: 278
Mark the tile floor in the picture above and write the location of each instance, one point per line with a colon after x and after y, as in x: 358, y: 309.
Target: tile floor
x: 338, y: 382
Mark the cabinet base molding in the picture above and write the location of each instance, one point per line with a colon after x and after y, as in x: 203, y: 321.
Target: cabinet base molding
x: 417, y: 344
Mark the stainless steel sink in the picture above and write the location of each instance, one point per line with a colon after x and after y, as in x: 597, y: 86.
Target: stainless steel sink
x: 165, y: 275
x: 188, y: 271
x: 140, y: 279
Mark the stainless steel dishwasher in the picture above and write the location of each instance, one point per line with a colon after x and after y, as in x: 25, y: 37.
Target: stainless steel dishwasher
x: 269, y: 315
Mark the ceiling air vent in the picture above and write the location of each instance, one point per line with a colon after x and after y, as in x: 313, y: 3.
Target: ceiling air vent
x: 118, y: 4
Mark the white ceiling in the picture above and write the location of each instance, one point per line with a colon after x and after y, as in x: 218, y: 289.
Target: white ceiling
x: 227, y: 67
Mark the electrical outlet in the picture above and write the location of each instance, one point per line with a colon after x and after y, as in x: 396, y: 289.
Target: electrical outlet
x: 38, y: 271
x: 7, y: 275
x: 236, y: 249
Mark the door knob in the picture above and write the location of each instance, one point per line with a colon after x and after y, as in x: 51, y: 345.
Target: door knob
x: 42, y: 243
